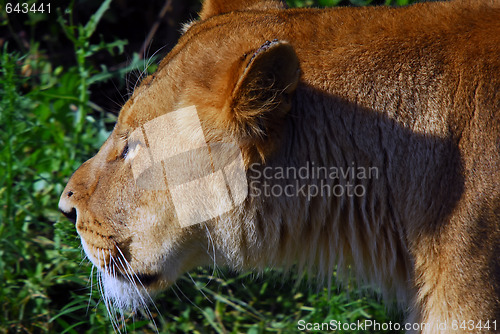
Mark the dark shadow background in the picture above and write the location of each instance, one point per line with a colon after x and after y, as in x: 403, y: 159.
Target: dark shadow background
x: 149, y: 27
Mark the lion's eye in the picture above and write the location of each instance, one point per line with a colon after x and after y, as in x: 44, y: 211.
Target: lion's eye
x: 124, y: 152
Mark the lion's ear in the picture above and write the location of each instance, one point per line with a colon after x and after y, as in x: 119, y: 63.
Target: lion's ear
x: 262, y: 93
x: 216, y: 7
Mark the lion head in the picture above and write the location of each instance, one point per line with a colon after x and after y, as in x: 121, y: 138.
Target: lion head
x: 212, y: 100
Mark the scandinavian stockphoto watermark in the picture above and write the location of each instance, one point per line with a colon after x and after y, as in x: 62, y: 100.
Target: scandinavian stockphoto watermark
x: 373, y: 326
x: 171, y: 152
x: 310, y: 180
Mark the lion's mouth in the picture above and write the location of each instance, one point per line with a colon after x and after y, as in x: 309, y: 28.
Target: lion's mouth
x: 147, y: 279
x: 139, y: 279
x: 116, y: 266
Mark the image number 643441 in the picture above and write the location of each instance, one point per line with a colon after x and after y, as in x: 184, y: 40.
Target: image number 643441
x: 25, y: 8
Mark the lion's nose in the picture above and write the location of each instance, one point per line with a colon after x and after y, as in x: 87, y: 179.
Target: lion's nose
x: 66, y: 208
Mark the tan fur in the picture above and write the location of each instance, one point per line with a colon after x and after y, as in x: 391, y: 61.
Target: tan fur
x: 414, y: 92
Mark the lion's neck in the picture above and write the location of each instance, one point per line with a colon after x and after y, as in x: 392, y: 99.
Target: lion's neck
x: 337, y: 195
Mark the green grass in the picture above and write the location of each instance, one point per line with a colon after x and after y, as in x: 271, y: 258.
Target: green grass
x: 48, y: 127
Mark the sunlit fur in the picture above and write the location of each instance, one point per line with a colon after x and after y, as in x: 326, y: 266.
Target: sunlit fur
x: 414, y: 92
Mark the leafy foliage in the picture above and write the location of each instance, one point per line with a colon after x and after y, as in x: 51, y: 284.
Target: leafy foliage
x: 49, y: 126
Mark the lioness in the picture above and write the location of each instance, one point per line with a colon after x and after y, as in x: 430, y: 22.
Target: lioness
x: 369, y: 140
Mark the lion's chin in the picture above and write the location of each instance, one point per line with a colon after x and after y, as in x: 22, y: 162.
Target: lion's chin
x: 129, y: 294
x: 122, y: 289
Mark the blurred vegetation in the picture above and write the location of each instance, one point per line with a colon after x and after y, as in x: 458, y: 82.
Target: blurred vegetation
x: 63, y: 77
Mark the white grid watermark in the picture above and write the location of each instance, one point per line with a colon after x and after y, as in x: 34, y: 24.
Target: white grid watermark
x: 171, y: 152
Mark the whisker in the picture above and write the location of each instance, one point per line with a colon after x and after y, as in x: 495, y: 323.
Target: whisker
x: 211, y: 242
x: 112, y: 266
x: 189, y: 300
x: 122, y: 96
x: 91, y: 287
x: 175, y: 293
x: 146, y: 66
x: 200, y: 289
x: 130, y: 278
x: 107, y: 301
